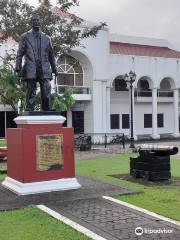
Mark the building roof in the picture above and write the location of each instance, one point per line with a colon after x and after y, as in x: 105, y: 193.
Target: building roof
x: 8, y: 40
x: 142, y: 50
x: 58, y: 12
x: 149, y: 41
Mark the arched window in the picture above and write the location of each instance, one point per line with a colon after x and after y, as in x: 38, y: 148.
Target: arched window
x: 120, y: 84
x: 165, y: 84
x: 70, y: 71
x: 143, y: 85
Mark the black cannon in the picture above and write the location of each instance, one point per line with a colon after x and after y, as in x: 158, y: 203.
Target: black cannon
x: 153, y: 162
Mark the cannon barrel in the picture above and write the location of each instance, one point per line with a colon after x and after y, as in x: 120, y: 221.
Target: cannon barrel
x: 158, y: 149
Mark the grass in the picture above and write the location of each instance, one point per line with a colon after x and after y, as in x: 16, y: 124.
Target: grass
x: 2, y: 176
x: 2, y: 142
x: 2, y: 168
x: 31, y: 223
x: 164, y: 199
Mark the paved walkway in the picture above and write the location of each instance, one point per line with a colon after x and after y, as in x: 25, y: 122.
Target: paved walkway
x: 113, y: 221
x: 87, y: 207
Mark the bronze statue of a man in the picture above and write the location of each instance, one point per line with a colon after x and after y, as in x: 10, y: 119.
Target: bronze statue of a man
x: 38, y: 66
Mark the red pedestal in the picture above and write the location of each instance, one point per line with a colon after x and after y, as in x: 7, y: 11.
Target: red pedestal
x: 22, y: 159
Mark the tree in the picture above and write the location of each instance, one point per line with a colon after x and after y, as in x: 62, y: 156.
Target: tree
x: 12, y: 91
x: 64, y: 29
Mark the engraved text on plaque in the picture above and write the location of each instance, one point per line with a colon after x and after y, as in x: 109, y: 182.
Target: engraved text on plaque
x: 49, y: 152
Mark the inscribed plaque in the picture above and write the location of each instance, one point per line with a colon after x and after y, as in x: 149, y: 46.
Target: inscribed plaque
x: 49, y: 152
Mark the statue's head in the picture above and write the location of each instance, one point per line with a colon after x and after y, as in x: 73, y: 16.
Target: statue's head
x: 35, y: 22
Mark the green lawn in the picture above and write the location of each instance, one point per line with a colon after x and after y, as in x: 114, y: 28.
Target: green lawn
x: 31, y: 223
x: 2, y: 168
x: 2, y: 172
x: 2, y: 176
x: 164, y: 200
x: 2, y: 142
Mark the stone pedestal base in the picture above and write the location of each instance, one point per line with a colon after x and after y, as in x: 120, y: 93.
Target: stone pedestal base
x: 40, y: 187
x: 40, y: 155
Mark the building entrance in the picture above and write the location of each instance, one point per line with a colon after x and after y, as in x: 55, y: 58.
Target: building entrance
x: 6, y: 121
x: 78, y: 121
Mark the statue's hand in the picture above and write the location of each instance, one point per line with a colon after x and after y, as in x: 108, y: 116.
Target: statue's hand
x: 55, y: 72
x: 17, y: 72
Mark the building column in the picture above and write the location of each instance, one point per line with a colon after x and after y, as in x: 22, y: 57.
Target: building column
x: 134, y: 122
x: 133, y: 104
x: 108, y: 108
x: 176, y: 113
x: 104, y: 112
x: 69, y: 118
x: 154, y: 114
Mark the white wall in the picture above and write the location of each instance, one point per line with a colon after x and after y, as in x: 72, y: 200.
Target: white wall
x: 97, y: 107
x: 97, y: 51
x: 119, y: 105
x: 154, y: 68
x: 86, y: 66
x: 88, y: 117
x: 119, y: 65
x: 168, y: 111
x: 146, y: 108
x: 168, y: 68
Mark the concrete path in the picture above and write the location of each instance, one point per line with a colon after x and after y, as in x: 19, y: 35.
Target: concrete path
x: 86, y: 207
x: 113, y: 221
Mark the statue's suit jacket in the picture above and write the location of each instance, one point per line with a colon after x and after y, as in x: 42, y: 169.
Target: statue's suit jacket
x: 28, y: 51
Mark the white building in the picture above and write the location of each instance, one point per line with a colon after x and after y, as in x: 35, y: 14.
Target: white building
x: 102, y: 97
x: 96, y: 74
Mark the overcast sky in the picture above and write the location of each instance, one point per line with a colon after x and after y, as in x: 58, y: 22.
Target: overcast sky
x: 146, y: 18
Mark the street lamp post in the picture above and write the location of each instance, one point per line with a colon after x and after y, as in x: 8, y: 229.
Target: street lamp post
x: 130, y: 78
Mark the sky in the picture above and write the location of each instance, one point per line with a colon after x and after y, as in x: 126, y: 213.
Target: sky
x: 141, y: 18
